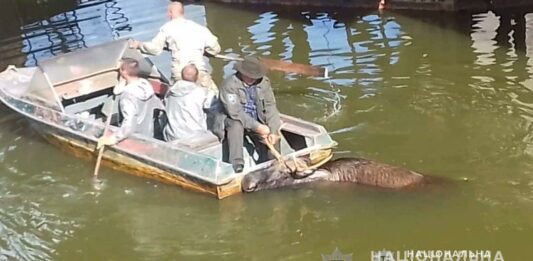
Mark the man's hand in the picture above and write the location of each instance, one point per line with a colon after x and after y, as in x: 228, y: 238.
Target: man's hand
x: 106, y: 140
x: 272, y: 139
x: 263, y: 131
x: 120, y: 86
x: 134, y: 44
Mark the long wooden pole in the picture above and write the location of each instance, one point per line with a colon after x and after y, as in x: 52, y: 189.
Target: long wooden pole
x: 284, y: 66
x: 106, y: 128
x: 295, y: 166
x: 275, y: 152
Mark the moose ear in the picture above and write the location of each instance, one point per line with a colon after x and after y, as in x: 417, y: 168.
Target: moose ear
x: 302, y: 174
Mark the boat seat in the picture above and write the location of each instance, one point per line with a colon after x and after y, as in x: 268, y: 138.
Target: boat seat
x: 214, y: 149
x: 198, y: 142
x: 207, y: 143
x: 92, y: 105
x: 75, y: 89
x: 160, y: 88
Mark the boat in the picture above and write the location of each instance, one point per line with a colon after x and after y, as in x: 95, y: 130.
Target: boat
x: 62, y: 98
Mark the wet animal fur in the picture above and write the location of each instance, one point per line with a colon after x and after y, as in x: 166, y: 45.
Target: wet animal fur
x: 368, y: 172
x: 355, y: 170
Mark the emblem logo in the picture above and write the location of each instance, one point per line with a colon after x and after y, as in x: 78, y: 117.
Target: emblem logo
x: 232, y: 98
x: 337, y: 256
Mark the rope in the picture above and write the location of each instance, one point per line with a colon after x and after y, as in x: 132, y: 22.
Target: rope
x: 337, y: 106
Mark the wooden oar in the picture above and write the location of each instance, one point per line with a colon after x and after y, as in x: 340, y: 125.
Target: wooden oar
x: 101, y: 150
x: 283, y: 66
x: 275, y: 152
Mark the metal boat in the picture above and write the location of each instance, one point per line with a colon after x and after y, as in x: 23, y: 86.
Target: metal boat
x: 63, y: 98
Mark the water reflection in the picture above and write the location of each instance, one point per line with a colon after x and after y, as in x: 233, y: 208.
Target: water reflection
x: 357, y: 48
x: 345, y: 46
x: 501, y: 43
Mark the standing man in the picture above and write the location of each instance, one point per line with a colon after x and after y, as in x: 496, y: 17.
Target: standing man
x: 185, y: 106
x: 251, y: 111
x: 187, y: 41
x: 136, y: 102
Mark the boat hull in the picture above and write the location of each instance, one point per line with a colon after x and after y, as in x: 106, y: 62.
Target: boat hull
x: 111, y: 158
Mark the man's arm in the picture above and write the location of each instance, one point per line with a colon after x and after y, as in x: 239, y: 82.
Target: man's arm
x: 212, y: 46
x: 232, y: 105
x: 156, y: 46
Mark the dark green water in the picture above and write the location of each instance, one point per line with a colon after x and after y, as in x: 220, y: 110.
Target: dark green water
x: 446, y: 95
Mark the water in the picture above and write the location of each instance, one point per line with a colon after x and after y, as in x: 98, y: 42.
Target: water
x: 444, y: 94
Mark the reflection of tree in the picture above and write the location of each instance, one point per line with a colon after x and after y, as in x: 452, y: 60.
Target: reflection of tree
x: 63, y: 33
x: 116, y: 19
x: 511, y: 55
x: 10, y: 44
x: 370, y: 38
x: 472, y: 91
x: 529, y: 44
x: 232, y: 33
x: 18, y: 16
x: 53, y: 27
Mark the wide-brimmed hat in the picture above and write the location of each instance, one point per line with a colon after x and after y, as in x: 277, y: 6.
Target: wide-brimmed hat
x: 252, y: 67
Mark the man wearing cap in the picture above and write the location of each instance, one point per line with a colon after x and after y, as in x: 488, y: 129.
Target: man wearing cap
x: 250, y: 107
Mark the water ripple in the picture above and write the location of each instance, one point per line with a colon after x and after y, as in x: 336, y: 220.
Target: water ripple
x: 27, y: 232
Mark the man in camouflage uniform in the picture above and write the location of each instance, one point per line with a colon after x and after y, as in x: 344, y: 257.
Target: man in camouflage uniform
x: 187, y: 42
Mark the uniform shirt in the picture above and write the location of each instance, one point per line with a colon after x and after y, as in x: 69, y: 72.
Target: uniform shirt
x: 250, y: 107
x: 233, y: 99
x: 187, y: 42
